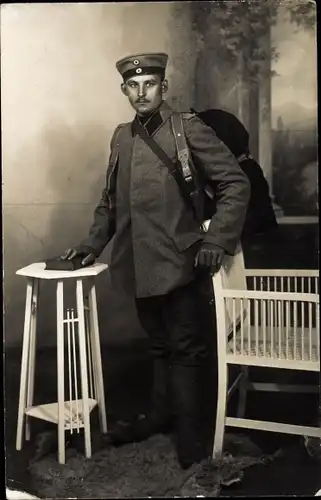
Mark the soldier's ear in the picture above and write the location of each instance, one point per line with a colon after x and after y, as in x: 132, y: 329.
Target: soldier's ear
x: 164, y: 86
x: 123, y: 88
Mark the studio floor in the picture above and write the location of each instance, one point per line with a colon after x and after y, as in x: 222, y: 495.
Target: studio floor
x: 149, y: 468
x: 140, y: 470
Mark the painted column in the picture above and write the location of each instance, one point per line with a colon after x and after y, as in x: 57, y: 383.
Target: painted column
x: 265, y: 117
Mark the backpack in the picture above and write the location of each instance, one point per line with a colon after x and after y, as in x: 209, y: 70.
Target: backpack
x: 260, y: 216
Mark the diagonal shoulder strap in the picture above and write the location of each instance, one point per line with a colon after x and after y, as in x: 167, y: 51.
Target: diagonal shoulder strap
x: 157, y: 150
x: 172, y: 168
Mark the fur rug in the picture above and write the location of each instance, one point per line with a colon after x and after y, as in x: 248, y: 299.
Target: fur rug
x: 146, y: 469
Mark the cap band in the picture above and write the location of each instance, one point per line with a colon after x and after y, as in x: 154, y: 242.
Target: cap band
x: 150, y: 70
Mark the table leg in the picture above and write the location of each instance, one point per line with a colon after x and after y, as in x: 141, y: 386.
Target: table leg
x: 60, y: 372
x: 91, y: 368
x: 83, y: 365
x: 24, y: 364
x: 32, y: 351
x: 96, y: 353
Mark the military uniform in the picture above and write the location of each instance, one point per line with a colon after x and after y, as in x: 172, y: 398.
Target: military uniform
x: 151, y: 220
x: 156, y: 240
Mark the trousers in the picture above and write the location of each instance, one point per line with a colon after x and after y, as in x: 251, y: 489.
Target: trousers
x: 181, y: 329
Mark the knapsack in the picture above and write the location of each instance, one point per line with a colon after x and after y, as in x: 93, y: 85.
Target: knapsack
x: 260, y: 216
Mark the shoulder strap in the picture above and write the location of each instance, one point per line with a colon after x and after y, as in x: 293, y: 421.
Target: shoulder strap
x: 172, y: 168
x: 111, y: 175
x: 116, y: 132
x: 157, y: 150
x: 183, y: 151
x: 114, y: 146
x: 181, y: 144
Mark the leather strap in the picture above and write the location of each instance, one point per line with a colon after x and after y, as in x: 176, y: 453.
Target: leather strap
x: 181, y: 145
x: 173, y: 169
x: 183, y: 153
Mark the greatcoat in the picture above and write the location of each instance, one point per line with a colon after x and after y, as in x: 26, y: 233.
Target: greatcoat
x: 155, y: 235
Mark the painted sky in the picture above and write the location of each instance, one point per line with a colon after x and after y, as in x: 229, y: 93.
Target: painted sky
x: 297, y: 67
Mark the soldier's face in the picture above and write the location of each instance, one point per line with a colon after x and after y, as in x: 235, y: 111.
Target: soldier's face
x: 144, y: 92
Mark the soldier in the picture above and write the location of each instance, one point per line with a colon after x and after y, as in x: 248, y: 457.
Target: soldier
x: 160, y: 254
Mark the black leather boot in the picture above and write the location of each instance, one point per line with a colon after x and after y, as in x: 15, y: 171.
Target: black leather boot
x: 191, y: 445
x: 157, y: 420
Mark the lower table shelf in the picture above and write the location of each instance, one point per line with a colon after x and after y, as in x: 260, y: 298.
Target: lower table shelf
x: 73, y: 412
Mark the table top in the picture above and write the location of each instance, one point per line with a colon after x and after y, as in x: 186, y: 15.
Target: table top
x: 37, y: 270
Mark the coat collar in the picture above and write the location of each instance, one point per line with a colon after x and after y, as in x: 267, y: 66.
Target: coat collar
x: 155, y: 121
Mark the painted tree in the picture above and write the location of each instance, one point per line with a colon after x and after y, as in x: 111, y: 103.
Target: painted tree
x: 236, y: 36
x: 234, y: 30
x: 238, y: 33
x: 303, y: 14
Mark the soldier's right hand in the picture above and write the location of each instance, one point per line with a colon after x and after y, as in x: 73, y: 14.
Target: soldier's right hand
x: 88, y: 257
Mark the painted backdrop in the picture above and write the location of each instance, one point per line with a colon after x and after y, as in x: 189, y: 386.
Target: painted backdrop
x: 61, y: 102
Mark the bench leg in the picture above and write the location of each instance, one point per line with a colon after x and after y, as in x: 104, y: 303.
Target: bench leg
x: 221, y: 410
x: 96, y: 353
x: 32, y: 352
x: 60, y: 372
x: 24, y: 365
x: 83, y: 365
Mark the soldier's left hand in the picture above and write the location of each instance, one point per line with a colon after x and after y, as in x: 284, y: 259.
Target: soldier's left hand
x: 210, y: 257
